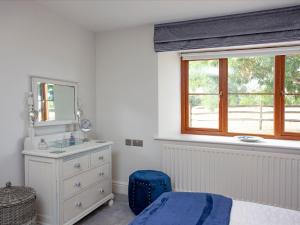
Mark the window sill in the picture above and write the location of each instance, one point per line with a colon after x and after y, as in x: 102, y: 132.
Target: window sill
x: 293, y: 146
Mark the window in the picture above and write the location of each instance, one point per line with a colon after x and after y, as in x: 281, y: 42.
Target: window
x: 256, y: 94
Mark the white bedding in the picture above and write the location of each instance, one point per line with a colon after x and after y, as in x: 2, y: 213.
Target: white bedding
x: 247, y: 213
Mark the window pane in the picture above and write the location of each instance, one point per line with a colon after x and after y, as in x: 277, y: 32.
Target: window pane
x: 292, y: 113
x: 252, y: 114
x: 292, y: 74
x: 204, y: 111
x: 51, y: 110
x: 50, y: 88
x: 248, y: 111
x: 292, y: 87
x: 251, y: 74
x: 204, y: 76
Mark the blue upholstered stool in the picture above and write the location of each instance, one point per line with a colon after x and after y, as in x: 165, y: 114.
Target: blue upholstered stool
x: 145, y: 186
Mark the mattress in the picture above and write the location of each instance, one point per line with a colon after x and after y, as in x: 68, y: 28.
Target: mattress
x: 248, y: 213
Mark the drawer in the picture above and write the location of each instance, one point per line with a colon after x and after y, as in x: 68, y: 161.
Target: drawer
x: 100, y: 157
x: 86, y: 199
x: 83, y: 180
x: 104, y: 172
x: 76, y: 165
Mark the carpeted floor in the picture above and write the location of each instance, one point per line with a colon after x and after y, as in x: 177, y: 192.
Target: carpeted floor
x: 118, y: 214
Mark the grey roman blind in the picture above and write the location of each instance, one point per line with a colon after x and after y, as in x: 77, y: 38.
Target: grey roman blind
x: 268, y: 26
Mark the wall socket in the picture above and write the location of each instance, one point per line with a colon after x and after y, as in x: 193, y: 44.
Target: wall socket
x: 128, y: 142
x: 137, y: 143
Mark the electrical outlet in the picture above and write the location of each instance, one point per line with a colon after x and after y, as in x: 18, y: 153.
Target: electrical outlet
x: 137, y: 143
x: 128, y: 142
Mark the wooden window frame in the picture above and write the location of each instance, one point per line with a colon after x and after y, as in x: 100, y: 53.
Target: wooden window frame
x: 45, y: 104
x: 279, y: 104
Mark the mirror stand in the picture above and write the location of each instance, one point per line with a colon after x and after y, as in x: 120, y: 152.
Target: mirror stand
x: 32, y: 114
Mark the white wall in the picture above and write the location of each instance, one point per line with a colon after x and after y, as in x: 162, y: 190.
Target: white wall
x: 127, y: 99
x: 168, y: 94
x: 35, y: 41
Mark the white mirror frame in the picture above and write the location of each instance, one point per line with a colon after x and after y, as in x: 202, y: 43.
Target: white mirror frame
x: 34, y: 87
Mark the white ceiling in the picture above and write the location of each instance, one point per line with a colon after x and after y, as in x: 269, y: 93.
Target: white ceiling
x: 103, y: 15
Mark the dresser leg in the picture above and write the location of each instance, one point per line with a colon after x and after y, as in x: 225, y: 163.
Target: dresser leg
x: 111, y: 202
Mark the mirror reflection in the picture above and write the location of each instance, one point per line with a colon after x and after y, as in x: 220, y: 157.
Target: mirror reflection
x: 55, y: 102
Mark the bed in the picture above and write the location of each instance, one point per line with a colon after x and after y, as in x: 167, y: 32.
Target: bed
x: 182, y: 208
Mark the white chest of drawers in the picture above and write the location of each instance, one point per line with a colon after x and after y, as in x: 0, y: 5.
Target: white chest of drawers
x: 69, y: 185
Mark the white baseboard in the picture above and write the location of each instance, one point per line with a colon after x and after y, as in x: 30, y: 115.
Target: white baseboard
x: 120, y: 187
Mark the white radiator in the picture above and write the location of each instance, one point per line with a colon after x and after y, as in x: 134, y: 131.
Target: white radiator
x: 267, y: 178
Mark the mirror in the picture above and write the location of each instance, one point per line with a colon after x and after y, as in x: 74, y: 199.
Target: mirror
x: 55, y: 101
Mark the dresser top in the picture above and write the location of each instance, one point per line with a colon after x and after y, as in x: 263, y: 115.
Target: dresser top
x: 59, y: 145
x: 67, y: 151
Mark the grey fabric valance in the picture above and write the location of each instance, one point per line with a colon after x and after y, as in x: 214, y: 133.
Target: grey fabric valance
x: 268, y: 26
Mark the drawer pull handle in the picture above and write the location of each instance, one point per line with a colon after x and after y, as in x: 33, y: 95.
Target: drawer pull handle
x: 78, y: 204
x: 101, y: 158
x: 78, y: 184
x: 77, y: 165
x: 101, y: 190
x: 101, y: 174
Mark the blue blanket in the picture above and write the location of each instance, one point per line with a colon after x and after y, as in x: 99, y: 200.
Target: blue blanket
x: 182, y: 208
